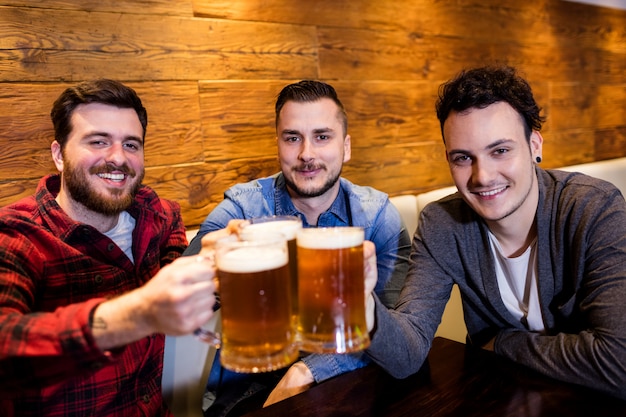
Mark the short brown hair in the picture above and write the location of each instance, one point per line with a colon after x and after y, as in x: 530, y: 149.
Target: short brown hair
x: 103, y: 91
x: 308, y: 91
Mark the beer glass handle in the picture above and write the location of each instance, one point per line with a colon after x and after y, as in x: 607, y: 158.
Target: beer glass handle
x: 212, y: 338
x: 208, y: 336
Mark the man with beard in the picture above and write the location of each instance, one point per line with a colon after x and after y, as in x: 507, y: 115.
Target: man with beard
x: 539, y: 255
x: 313, y: 145
x: 90, y: 274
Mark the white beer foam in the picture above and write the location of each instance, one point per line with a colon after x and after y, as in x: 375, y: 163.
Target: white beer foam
x: 251, y: 259
x: 330, y: 238
x: 288, y: 228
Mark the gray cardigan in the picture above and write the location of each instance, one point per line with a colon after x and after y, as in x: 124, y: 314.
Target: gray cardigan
x: 582, y: 286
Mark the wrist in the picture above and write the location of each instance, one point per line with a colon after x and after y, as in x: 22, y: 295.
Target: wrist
x: 119, y: 321
x: 303, y: 372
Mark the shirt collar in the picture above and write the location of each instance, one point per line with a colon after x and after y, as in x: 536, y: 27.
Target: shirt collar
x: 337, y: 214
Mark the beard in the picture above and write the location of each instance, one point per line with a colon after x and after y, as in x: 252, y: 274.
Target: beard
x: 80, y: 189
x: 312, y: 192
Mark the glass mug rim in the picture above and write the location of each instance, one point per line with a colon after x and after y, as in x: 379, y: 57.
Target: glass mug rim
x: 273, y: 217
x: 286, y: 224
x: 253, y: 240
x: 353, y: 235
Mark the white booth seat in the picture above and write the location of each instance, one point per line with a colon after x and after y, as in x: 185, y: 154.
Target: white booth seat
x: 188, y: 361
x: 186, y: 368
x: 611, y: 170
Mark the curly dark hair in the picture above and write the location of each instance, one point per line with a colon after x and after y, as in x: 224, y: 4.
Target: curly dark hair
x: 481, y: 87
x: 102, y: 91
x: 308, y: 91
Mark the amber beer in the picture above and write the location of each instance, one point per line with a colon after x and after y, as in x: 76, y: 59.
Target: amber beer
x: 257, y: 328
x: 331, y: 290
x: 289, y: 227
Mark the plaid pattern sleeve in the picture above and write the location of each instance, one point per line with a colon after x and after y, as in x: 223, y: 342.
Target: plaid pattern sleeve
x: 53, y: 273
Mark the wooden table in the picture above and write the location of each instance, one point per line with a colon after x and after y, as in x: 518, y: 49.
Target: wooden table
x: 455, y: 381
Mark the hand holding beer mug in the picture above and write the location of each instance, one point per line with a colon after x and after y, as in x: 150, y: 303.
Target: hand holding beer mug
x: 331, y: 290
x: 208, y: 252
x: 257, y: 329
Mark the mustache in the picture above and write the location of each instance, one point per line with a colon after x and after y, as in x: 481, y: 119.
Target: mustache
x: 309, y: 167
x: 110, y: 168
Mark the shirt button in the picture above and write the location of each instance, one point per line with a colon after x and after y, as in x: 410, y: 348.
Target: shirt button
x: 98, y: 279
x: 110, y: 247
x: 145, y: 398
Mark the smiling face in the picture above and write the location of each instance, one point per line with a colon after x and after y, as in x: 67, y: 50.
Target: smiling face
x: 312, y: 147
x: 102, y: 163
x: 492, y: 164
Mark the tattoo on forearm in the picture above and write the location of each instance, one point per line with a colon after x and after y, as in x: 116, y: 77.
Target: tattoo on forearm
x: 98, y: 323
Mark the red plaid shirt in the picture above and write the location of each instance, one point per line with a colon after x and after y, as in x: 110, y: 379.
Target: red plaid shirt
x: 53, y: 273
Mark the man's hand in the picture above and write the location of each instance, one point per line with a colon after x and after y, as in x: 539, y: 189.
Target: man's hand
x: 297, y: 379
x: 177, y: 300
x: 371, y: 277
x: 210, y: 239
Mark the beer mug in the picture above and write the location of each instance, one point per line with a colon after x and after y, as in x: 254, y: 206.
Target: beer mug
x: 257, y: 329
x: 289, y: 227
x: 331, y: 293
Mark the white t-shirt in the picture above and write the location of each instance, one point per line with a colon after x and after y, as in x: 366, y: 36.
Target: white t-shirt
x: 122, y: 234
x: 517, y: 281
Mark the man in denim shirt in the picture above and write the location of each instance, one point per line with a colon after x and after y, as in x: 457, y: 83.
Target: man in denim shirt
x: 313, y: 144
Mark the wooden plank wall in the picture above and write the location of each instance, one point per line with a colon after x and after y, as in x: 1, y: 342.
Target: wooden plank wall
x: 208, y: 72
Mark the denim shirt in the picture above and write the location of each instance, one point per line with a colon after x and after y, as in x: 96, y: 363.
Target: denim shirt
x: 354, y: 206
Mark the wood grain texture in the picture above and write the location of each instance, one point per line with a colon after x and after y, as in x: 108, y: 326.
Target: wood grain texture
x: 208, y: 72
x: 173, y: 124
x: 147, y: 47
x: 610, y: 143
x: 156, y: 7
x: 593, y: 105
x: 199, y: 188
x: 238, y: 118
